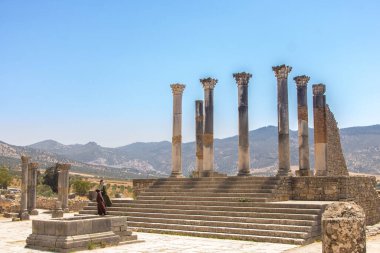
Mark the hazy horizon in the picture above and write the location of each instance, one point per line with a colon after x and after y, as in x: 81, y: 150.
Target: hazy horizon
x: 190, y: 141
x: 78, y: 72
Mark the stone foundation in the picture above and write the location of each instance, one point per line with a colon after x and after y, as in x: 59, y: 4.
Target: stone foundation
x: 361, y: 190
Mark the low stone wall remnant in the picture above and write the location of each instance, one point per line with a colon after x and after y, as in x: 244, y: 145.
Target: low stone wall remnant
x: 359, y: 189
x: 49, y: 203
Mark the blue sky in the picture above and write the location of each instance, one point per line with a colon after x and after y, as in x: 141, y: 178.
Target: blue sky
x: 79, y: 71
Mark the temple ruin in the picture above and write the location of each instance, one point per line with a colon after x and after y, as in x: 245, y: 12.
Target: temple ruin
x: 246, y: 207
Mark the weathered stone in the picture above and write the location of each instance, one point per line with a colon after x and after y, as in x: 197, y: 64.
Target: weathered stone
x: 24, y: 215
x: 199, y: 137
x: 281, y: 73
x: 208, y: 128
x: 303, y: 126
x: 75, y: 233
x: 63, y: 185
x: 336, y: 164
x: 32, y: 188
x: 320, y: 129
x: 57, y: 212
x: 177, y: 90
x: 244, y: 166
x: 343, y: 228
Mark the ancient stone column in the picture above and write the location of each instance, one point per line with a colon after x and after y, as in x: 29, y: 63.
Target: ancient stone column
x: 320, y: 130
x: 303, y: 125
x: 242, y: 80
x: 24, y: 215
x: 199, y: 136
x: 32, y: 191
x: 63, y: 185
x: 177, y: 90
x: 208, y: 128
x: 281, y: 73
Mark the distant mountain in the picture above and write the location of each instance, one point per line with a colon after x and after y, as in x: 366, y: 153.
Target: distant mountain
x: 361, y: 146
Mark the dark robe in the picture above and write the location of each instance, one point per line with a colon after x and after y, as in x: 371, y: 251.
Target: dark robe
x: 106, y: 198
x: 101, y: 205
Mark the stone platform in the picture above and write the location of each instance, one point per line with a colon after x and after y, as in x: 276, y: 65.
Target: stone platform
x: 243, y: 208
x: 78, y: 233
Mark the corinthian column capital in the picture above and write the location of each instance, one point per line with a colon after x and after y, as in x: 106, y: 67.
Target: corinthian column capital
x: 177, y: 88
x: 301, y: 81
x: 282, y: 71
x: 319, y: 89
x: 242, y: 78
x: 208, y: 83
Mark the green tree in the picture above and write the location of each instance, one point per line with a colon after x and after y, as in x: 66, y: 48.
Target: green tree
x: 44, y: 190
x: 81, y: 187
x: 5, y: 177
x: 50, y: 178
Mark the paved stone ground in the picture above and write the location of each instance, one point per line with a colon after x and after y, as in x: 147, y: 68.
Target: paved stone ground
x: 13, y: 235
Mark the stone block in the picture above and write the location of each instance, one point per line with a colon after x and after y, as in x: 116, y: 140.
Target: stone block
x: 49, y: 228
x: 343, y: 228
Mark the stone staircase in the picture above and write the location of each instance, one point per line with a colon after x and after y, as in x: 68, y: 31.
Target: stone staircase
x: 227, y: 208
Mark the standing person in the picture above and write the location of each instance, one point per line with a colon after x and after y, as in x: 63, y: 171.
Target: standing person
x: 100, y: 201
x: 103, y: 190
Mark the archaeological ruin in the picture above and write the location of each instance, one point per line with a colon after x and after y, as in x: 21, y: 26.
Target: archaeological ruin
x: 285, y: 208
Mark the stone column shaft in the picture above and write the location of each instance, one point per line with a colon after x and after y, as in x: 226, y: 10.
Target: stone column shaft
x: 244, y: 167
x: 24, y: 188
x: 208, y: 128
x: 303, y: 125
x: 199, y: 136
x: 320, y: 130
x: 281, y: 73
x: 63, y: 185
x: 177, y: 90
x: 32, y: 191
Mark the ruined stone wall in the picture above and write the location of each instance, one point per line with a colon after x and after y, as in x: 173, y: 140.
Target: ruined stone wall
x: 361, y: 190
x: 49, y: 203
x: 283, y: 190
x: 336, y: 164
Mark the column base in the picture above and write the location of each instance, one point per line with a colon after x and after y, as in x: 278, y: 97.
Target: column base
x: 244, y: 173
x: 65, y: 210
x: 284, y: 173
x: 57, y: 214
x: 206, y: 173
x: 303, y: 173
x: 176, y: 175
x: 33, y: 212
x: 24, y: 216
x: 196, y: 174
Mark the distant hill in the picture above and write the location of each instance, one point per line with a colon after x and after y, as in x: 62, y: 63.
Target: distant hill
x: 361, y: 146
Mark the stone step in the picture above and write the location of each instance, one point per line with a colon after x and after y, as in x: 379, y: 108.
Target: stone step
x: 145, y: 212
x: 210, y: 208
x: 206, y: 194
x: 226, y: 236
x: 211, y: 190
x: 241, y: 225
x: 240, y: 219
x: 218, y: 179
x: 126, y: 203
x: 215, y: 184
x: 190, y: 198
x: 221, y: 229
